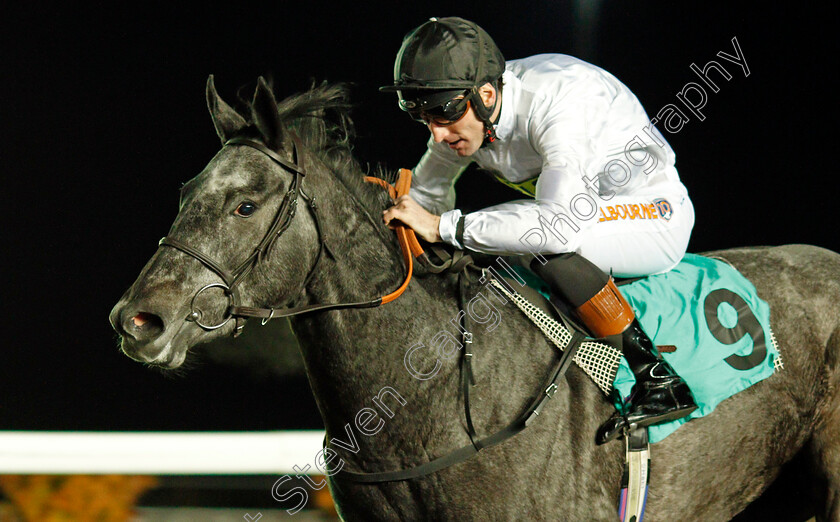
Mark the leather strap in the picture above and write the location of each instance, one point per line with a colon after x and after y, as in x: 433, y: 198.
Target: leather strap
x: 453, y: 263
x: 226, y: 276
x: 607, y: 312
x: 294, y: 167
x: 466, y: 452
x: 276, y: 313
x: 467, y: 375
x: 283, y: 218
x: 476, y: 444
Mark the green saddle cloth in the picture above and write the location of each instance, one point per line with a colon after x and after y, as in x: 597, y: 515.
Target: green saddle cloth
x: 716, y: 322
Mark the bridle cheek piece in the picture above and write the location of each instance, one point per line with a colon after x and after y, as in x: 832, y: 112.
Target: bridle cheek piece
x: 282, y: 220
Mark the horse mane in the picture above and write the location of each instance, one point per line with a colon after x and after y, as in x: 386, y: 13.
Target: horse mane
x: 321, y: 118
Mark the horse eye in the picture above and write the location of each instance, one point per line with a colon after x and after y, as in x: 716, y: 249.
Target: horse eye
x: 245, y: 209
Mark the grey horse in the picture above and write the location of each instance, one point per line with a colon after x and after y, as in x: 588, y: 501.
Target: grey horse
x: 382, y: 414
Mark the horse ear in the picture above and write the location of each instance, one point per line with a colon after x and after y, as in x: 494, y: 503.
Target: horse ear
x: 265, y: 116
x: 226, y: 120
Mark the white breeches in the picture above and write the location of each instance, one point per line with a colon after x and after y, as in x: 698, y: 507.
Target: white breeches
x: 629, y: 236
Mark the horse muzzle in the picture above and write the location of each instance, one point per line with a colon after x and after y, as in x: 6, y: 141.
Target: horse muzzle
x: 145, y: 334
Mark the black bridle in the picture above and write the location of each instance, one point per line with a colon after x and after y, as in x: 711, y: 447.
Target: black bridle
x: 232, y: 278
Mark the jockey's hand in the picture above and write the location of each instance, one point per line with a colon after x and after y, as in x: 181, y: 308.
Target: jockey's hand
x: 409, y: 212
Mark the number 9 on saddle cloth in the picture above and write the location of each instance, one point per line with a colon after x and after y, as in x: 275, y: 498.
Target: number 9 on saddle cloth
x: 707, y: 320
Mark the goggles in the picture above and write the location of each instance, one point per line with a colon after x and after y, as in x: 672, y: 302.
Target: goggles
x: 441, y: 108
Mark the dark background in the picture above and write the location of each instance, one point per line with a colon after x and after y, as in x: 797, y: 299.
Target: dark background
x: 103, y: 117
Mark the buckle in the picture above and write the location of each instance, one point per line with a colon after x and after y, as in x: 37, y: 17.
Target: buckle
x: 267, y: 319
x: 239, y: 329
x: 551, y: 390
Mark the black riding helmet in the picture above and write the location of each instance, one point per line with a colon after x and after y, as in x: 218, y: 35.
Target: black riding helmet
x: 442, y: 59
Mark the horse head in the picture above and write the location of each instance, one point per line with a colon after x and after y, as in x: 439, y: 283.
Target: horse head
x: 246, y: 231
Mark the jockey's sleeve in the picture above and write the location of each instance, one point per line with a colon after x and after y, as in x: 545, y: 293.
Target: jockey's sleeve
x: 544, y: 224
x: 433, y: 179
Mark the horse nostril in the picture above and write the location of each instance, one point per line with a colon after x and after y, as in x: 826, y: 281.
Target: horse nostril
x: 143, y: 326
x: 141, y: 319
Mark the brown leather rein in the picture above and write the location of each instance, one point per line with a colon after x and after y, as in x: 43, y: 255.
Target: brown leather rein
x: 231, y: 278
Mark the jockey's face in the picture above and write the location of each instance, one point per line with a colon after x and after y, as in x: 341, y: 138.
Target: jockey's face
x: 466, y: 135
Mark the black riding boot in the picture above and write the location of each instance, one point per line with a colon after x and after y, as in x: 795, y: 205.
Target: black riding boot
x: 659, y: 394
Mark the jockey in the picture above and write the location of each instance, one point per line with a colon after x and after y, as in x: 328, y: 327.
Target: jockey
x: 606, y: 196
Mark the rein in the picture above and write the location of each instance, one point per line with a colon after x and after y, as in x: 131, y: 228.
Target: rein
x: 282, y: 220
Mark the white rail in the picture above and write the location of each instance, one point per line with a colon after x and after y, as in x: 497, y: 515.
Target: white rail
x: 158, y: 453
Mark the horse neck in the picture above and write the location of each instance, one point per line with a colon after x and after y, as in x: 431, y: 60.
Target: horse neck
x: 352, y: 354
x: 355, y: 359
x: 355, y: 356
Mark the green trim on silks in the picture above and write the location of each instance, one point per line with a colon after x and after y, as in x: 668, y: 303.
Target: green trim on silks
x: 527, y: 187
